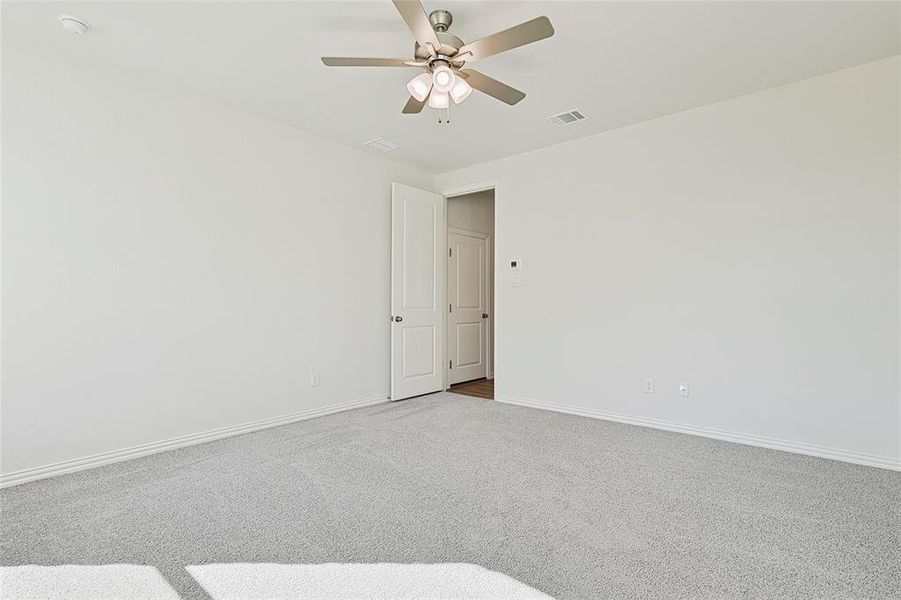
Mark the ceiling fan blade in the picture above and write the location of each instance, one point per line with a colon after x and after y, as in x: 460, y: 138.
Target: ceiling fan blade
x: 492, y: 87
x: 520, y: 35
x: 343, y: 61
x: 413, y: 106
x: 414, y: 16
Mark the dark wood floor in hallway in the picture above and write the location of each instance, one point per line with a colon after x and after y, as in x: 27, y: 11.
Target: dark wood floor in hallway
x: 480, y: 388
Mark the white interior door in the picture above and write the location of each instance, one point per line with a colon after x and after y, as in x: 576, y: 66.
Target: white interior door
x: 417, y: 291
x: 467, y: 293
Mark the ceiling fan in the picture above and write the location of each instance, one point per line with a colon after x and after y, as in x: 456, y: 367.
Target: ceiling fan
x: 443, y: 55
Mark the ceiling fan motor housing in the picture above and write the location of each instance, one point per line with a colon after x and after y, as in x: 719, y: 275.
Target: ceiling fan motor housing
x: 449, y: 46
x: 441, y: 21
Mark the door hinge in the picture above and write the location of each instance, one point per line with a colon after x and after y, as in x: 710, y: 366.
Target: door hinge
x: 450, y: 252
x: 450, y: 308
x: 450, y: 364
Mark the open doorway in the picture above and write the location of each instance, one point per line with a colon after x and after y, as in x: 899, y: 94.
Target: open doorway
x: 470, y: 294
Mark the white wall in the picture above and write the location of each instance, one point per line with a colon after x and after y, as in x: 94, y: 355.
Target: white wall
x: 171, y: 266
x: 475, y: 212
x: 750, y: 248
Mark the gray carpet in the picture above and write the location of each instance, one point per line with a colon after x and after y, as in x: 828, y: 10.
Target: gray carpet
x: 575, y: 507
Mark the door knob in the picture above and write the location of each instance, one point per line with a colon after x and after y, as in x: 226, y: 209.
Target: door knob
x: 484, y: 315
x: 398, y: 318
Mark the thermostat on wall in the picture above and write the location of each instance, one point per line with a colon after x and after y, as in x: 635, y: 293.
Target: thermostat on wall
x: 516, y: 272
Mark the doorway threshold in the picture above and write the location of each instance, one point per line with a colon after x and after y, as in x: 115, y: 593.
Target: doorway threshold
x: 478, y: 388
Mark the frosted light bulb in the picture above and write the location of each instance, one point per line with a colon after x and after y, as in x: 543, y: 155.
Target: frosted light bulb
x: 460, y: 91
x: 443, y: 78
x: 419, y: 86
x: 438, y: 99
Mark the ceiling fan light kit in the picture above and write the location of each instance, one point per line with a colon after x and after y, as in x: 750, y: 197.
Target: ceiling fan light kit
x: 442, y: 78
x: 438, y: 99
x: 443, y: 56
x: 460, y: 91
x: 420, y: 86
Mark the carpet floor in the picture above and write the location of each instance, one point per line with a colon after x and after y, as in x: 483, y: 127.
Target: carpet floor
x: 571, y: 506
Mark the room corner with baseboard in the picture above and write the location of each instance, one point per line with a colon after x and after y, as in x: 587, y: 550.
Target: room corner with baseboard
x: 364, y: 300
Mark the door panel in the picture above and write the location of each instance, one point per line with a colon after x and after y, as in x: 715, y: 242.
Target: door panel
x: 470, y: 345
x: 470, y: 266
x: 418, y: 230
x: 417, y: 291
x: 419, y: 351
x: 467, y: 281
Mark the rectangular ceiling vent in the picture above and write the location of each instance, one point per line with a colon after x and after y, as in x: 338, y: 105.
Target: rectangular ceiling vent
x: 383, y: 145
x: 567, y: 118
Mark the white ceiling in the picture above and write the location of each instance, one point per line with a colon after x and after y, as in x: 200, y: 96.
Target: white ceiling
x: 618, y: 62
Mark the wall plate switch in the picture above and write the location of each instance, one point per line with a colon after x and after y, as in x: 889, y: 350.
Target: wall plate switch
x: 516, y: 281
x: 683, y: 389
x: 314, y: 379
x: 648, y: 386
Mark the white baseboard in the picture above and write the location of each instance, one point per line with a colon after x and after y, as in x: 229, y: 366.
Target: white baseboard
x: 859, y: 458
x: 105, y: 458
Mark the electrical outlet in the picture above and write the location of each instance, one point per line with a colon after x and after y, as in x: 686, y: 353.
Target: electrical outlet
x: 648, y: 386
x: 314, y: 379
x: 683, y: 389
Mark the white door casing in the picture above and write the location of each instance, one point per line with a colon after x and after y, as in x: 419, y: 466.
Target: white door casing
x: 417, y: 291
x: 467, y: 294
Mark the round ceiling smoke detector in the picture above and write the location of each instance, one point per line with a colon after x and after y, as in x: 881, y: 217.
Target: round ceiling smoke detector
x: 73, y: 24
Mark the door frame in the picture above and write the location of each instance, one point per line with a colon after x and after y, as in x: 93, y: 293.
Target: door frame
x: 489, y: 332
x: 460, y: 190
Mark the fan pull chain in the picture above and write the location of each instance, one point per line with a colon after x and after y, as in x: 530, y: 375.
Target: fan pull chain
x: 444, y: 115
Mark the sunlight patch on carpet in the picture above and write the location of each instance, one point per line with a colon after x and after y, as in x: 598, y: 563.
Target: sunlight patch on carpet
x: 380, y: 581
x: 84, y: 582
